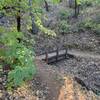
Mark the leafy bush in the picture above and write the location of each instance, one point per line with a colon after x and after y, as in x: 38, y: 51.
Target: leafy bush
x: 87, y: 24
x: 96, y: 2
x: 63, y: 27
x: 96, y: 19
x: 64, y: 14
x: 19, y: 59
x: 39, y: 24
x: 97, y: 29
x: 91, y: 25
x: 87, y: 3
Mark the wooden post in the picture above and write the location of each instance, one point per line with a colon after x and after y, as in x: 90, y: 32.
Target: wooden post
x: 46, y: 58
x: 66, y: 54
x: 57, y: 54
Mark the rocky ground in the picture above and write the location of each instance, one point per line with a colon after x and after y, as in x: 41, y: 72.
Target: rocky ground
x: 85, y: 69
x: 82, y: 41
x: 71, y: 79
x: 54, y: 83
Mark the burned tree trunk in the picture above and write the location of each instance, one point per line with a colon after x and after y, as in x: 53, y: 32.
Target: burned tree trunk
x: 18, y: 23
x: 18, y: 19
x: 46, y: 5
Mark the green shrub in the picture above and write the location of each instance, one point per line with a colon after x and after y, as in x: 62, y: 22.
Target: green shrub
x: 18, y: 57
x: 90, y: 25
x: 86, y: 24
x: 96, y: 19
x: 64, y: 14
x: 86, y: 3
x: 97, y: 29
x: 63, y: 27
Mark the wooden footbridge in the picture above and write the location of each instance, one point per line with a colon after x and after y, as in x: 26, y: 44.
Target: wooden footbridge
x: 57, y: 55
x: 54, y: 56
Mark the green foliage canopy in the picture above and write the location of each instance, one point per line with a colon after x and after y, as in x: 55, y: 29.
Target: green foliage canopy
x: 18, y: 57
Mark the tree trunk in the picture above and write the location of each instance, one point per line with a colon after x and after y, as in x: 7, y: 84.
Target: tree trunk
x: 76, y: 14
x: 18, y: 23
x: 70, y: 3
x: 18, y: 19
x: 46, y: 6
x: 34, y: 27
x: 78, y: 9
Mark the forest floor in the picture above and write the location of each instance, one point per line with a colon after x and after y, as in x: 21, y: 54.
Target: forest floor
x: 79, y: 41
x: 85, y: 66
x: 84, y: 54
x: 61, y: 84
x: 52, y: 84
x: 85, y: 46
x: 57, y: 81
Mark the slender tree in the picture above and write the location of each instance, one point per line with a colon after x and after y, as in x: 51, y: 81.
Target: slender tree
x: 76, y: 8
x: 34, y: 27
x: 46, y: 5
x: 77, y: 4
x: 18, y: 18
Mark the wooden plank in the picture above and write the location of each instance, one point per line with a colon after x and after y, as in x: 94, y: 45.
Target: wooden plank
x: 53, y: 56
x: 57, y: 55
x: 46, y: 57
x: 50, y: 55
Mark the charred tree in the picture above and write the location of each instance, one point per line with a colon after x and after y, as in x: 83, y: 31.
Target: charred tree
x: 46, y: 5
x: 18, y: 23
x: 18, y: 19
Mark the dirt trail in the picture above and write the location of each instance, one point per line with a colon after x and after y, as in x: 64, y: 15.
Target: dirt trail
x: 50, y: 78
x: 84, y: 54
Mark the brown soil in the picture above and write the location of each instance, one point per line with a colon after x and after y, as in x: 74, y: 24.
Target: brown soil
x: 60, y: 87
x: 68, y: 89
x: 24, y: 93
x: 51, y: 78
x: 72, y: 91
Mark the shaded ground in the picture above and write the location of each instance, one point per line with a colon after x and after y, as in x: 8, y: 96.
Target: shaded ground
x: 86, y: 69
x: 84, y: 54
x: 80, y: 41
x: 52, y: 84
x: 50, y: 81
x: 73, y: 91
x: 85, y: 40
x: 56, y: 82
